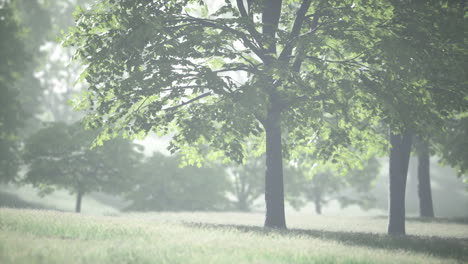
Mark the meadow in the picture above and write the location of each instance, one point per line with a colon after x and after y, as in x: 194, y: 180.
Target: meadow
x: 46, y: 236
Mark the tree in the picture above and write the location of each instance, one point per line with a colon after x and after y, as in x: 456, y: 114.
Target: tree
x: 59, y: 156
x: 246, y: 183
x: 428, y: 58
x: 452, y: 144
x: 163, y: 185
x: 426, y: 208
x: 35, y: 19
x: 322, y: 183
x: 171, y: 66
x: 14, y: 60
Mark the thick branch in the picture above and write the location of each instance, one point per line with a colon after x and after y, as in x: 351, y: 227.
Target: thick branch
x: 270, y: 18
x: 250, y: 26
x: 241, y: 7
x: 313, y: 27
x: 213, y: 24
x: 296, y: 29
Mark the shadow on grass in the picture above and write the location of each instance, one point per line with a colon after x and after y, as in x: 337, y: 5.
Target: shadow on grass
x: 14, y: 201
x: 436, y: 246
x: 443, y: 220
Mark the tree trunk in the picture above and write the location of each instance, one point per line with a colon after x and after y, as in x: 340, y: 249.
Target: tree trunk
x: 399, y: 160
x: 242, y: 204
x: 79, y: 197
x: 318, y: 206
x: 424, y: 181
x: 274, y: 189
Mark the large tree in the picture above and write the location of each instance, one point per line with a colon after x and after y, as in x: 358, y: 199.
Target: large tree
x: 423, y: 70
x: 288, y: 71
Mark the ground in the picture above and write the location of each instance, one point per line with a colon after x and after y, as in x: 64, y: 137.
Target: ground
x: 44, y: 236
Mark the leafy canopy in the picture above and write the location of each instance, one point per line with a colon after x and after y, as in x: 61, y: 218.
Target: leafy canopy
x: 59, y: 156
x: 209, y: 76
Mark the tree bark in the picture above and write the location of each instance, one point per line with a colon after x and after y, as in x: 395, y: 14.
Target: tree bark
x: 399, y: 160
x: 426, y: 208
x: 79, y: 198
x: 274, y: 189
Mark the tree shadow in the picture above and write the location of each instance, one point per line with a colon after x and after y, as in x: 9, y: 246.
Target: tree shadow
x: 443, y: 220
x: 456, y: 248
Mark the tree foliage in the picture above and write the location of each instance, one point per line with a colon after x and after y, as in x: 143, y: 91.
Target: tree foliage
x: 246, y: 183
x: 59, y: 157
x: 290, y: 72
x: 161, y: 184
x: 14, y: 57
x: 166, y: 65
x: 323, y: 183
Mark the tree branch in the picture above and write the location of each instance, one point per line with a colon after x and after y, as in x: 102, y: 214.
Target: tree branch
x: 250, y: 26
x: 313, y: 27
x: 347, y: 61
x: 213, y: 24
x: 296, y: 29
x: 270, y: 19
x: 188, y: 102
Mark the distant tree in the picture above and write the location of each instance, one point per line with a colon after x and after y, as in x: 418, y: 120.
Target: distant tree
x: 328, y: 182
x: 14, y: 59
x: 247, y: 184
x: 35, y: 19
x: 19, y: 89
x: 423, y: 151
x: 163, y: 185
x: 59, y: 157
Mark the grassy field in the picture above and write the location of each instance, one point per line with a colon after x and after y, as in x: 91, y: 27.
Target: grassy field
x: 40, y: 236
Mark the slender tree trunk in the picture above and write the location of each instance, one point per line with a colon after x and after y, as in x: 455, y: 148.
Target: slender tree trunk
x: 318, y: 205
x: 399, y: 160
x: 79, y: 198
x: 424, y: 181
x: 274, y: 189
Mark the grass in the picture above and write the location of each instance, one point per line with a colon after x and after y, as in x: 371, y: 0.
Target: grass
x: 39, y: 236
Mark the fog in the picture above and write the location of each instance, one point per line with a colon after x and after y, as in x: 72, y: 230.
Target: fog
x: 239, y: 115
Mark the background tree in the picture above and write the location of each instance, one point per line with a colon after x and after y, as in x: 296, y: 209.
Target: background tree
x: 425, y: 81
x: 163, y: 185
x: 426, y: 208
x: 59, y: 156
x: 14, y: 61
x: 18, y: 86
x: 322, y: 183
x: 247, y: 184
x: 35, y: 18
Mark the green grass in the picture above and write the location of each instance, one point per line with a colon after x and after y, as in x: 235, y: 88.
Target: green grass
x: 38, y: 236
